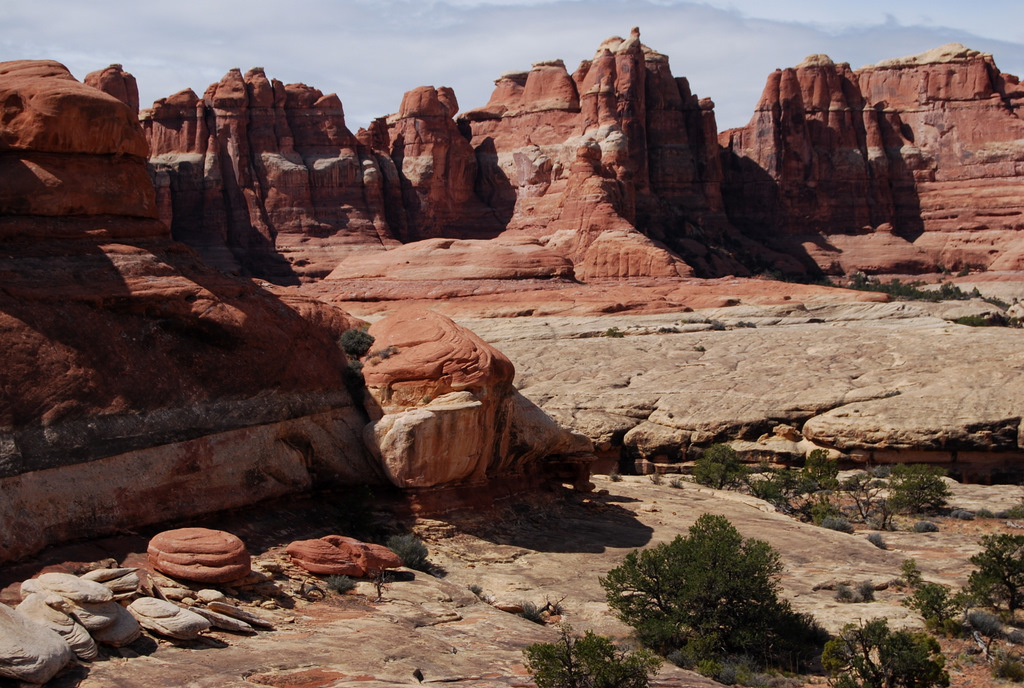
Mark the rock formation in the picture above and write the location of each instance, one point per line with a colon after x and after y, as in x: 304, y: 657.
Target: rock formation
x: 125, y: 356
x: 902, y: 166
x: 445, y: 414
x: 141, y: 385
x: 616, y: 166
x: 266, y: 177
x: 907, y: 165
x: 199, y: 554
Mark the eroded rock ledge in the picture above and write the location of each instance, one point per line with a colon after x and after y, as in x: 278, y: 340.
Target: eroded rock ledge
x: 874, y: 383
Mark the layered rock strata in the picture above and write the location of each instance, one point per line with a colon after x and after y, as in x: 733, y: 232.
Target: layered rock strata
x: 139, y: 384
x: 615, y: 165
x: 266, y: 178
x: 903, y: 166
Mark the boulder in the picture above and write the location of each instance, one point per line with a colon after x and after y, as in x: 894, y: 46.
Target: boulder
x: 123, y: 630
x: 95, y: 617
x: 443, y: 392
x: 48, y: 610
x: 199, y: 554
x: 71, y: 588
x: 323, y: 558
x: 167, y: 618
x: 371, y: 558
x: 123, y: 582
x: 29, y: 651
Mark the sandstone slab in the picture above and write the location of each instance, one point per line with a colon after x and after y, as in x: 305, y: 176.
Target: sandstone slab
x: 29, y: 651
x: 167, y: 618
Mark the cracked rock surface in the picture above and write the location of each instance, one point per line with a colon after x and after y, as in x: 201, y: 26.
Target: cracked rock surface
x: 877, y: 382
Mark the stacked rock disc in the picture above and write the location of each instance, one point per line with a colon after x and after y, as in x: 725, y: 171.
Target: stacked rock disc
x: 201, y: 555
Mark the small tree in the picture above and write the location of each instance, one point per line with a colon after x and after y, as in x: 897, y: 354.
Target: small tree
x: 822, y: 471
x: 936, y: 605
x: 872, y: 656
x: 708, y: 595
x: 999, y: 576
x: 865, y: 491
x: 588, y: 662
x: 719, y: 467
x: 916, y: 487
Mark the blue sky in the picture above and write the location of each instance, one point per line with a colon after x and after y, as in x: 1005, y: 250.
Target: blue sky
x: 371, y: 51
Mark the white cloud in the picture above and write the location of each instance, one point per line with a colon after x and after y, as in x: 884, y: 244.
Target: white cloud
x: 370, y: 52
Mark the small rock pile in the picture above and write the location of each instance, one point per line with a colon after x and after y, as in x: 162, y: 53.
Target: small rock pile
x: 63, y: 617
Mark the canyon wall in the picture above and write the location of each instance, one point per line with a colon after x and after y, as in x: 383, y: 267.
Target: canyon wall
x: 141, y: 385
x: 905, y: 166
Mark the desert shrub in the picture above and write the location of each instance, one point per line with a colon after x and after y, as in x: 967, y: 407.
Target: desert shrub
x: 821, y: 508
x: 475, y: 589
x: 916, y: 487
x: 865, y: 491
x: 973, y: 321
x: 984, y: 513
x: 655, y: 478
x: 709, y: 595
x: 837, y: 523
x: 1007, y: 666
x: 1013, y: 512
x: 881, y: 472
x: 866, y: 591
x: 844, y: 593
x: 962, y: 514
x: 717, y: 325
x: 719, y: 467
x: 999, y: 577
x: 340, y: 584
x: 588, y: 662
x: 355, y: 342
x: 908, y: 291
x: 987, y: 624
x: 676, y: 483
x: 531, y: 612
x: 877, y: 540
x: 614, y: 332
x: 615, y: 477
x: 411, y: 550
x: 872, y: 656
x: 925, y: 527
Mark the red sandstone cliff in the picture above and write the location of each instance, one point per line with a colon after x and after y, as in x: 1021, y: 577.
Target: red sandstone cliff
x: 901, y: 166
x: 618, y: 167
x: 615, y: 167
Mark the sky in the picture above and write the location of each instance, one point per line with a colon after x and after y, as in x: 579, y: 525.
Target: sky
x: 370, y: 52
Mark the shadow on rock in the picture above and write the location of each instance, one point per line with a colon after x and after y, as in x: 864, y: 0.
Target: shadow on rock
x: 575, y: 523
